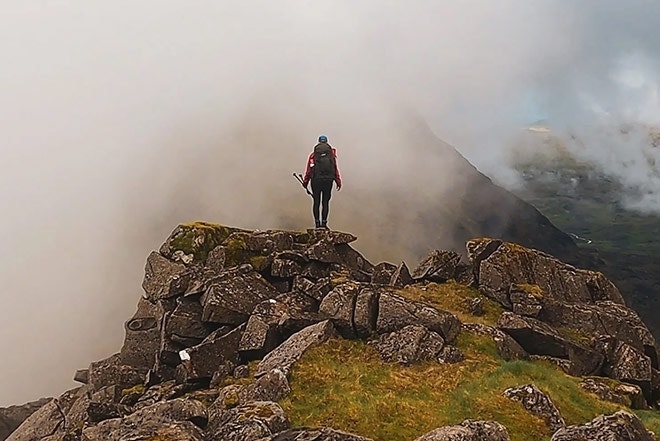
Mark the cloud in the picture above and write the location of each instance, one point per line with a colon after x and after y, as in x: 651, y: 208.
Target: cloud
x: 122, y: 119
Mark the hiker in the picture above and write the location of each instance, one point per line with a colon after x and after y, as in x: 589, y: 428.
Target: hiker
x: 322, y: 170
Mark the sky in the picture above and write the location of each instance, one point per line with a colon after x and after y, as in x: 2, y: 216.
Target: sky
x: 121, y: 119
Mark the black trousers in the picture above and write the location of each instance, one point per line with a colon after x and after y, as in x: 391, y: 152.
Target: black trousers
x: 322, y: 191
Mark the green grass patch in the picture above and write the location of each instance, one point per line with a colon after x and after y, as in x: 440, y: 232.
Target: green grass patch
x: 455, y: 298
x: 343, y: 384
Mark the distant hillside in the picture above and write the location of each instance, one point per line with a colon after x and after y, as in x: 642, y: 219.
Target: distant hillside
x: 584, y: 201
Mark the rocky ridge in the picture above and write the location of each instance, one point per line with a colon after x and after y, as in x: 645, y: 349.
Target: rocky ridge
x: 219, y: 298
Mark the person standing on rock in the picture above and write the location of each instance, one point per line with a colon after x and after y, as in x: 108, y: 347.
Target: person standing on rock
x: 322, y: 171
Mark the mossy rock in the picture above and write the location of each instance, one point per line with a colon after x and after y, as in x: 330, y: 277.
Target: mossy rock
x: 196, y: 239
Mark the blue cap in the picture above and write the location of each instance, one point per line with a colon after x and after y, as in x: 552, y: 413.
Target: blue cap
x: 323, y: 138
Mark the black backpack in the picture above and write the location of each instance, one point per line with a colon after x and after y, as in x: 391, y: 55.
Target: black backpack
x: 324, y: 162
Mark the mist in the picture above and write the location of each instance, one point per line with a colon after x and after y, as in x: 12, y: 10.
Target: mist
x: 121, y: 120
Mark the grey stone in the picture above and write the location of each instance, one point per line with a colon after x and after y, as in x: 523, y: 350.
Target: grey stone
x: 396, y: 312
x: 202, y: 361
x: 339, y: 305
x: 273, y: 386
x: 13, y: 416
x: 410, y: 345
x: 401, y: 276
x: 110, y: 372
x: 320, y: 434
x: 185, y: 322
x: 382, y: 273
x: 438, y: 266
x: 468, y: 430
x: 450, y: 355
x: 143, y: 333
x: 232, y: 296
x: 292, y: 349
x: 365, y: 313
x: 247, y: 422
x: 620, y: 426
x: 538, y: 403
x: 626, y: 394
x: 162, y: 277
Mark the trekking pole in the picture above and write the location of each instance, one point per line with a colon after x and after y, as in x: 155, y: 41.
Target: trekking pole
x: 300, y: 179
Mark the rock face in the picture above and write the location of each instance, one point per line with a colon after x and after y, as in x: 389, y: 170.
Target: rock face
x: 621, y: 426
x: 226, y: 305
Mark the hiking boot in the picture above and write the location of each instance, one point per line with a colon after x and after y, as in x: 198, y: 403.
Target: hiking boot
x: 317, y: 223
x: 324, y: 225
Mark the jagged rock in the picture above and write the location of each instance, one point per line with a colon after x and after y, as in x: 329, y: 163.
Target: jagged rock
x: 468, y: 430
x: 49, y: 419
x: 396, y: 312
x: 627, y: 364
x: 524, y: 301
x: 360, y: 267
x: 110, y: 372
x: 410, y: 345
x: 42, y: 423
x: 476, y: 307
x: 184, y: 325
x: 438, y: 266
x: 81, y: 376
x: 247, y: 422
x: 180, y: 417
x: 538, y: 338
x: 620, y: 426
x: 450, y: 355
x: 365, y: 313
x: 202, y: 361
x: 233, y: 295
x: 321, y: 289
x: 220, y: 375
x: 622, y: 393
x: 98, y: 412
x: 323, y: 251
x: 401, y: 276
x: 285, y: 268
x: 292, y: 349
x: 273, y: 386
x: 274, y: 320
x: 242, y: 371
x: 511, y: 264
x: 13, y: 416
x: 507, y: 347
x: 269, y: 241
x: 538, y: 403
x: 162, y: 392
x: 480, y: 249
x: 162, y: 277
x: 382, y: 273
x: 339, y: 305
x: 191, y: 243
x: 321, y: 434
x: 315, y: 270
x: 603, y: 317
x: 303, y: 285
x: 143, y: 331
x: 332, y: 236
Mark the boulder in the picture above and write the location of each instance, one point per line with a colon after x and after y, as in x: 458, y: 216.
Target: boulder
x: 625, y: 363
x: 438, y: 266
x: 247, y: 422
x: 233, y: 295
x: 111, y: 372
x: 42, y: 423
x: 181, y: 417
x: 538, y: 338
x: 382, y: 273
x: 13, y: 416
x: 273, y: 386
x: 511, y: 264
x: 401, y: 276
x: 468, y: 430
x: 191, y: 243
x: 162, y: 278
x: 396, y: 312
x: 526, y: 300
x: 323, y: 251
x: 339, y: 305
x: 184, y: 325
x: 620, y: 426
x: 285, y: 268
x: 365, y: 313
x: 292, y: 349
x: 626, y: 394
x: 603, y: 317
x: 320, y: 434
x: 478, y: 250
x: 538, y: 403
x: 332, y: 236
x: 143, y: 334
x: 411, y: 345
x: 201, y: 361
x: 450, y: 355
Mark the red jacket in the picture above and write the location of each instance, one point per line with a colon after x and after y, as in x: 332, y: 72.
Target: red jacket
x: 310, y: 164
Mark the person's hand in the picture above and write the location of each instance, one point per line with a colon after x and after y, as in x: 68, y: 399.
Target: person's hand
x: 338, y: 187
